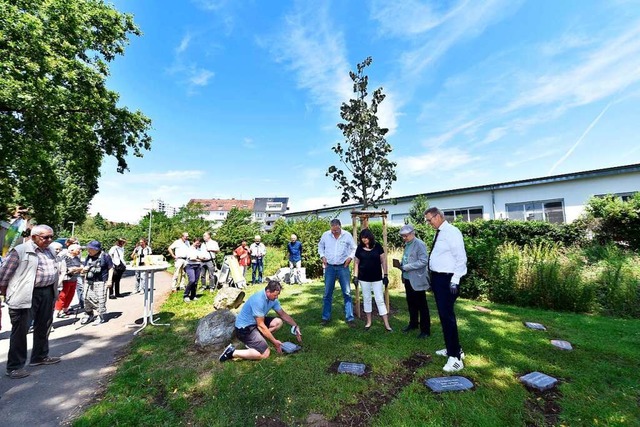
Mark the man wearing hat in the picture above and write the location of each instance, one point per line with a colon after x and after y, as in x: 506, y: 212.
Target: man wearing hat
x: 119, y: 266
x: 415, y: 277
x: 98, y: 270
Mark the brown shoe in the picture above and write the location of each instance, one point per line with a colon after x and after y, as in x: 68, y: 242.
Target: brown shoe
x: 17, y: 373
x: 46, y: 361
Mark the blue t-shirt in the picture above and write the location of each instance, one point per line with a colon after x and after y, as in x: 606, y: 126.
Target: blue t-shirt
x: 256, y: 306
x: 295, y: 251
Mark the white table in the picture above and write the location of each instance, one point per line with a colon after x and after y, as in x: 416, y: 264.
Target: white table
x: 149, y: 272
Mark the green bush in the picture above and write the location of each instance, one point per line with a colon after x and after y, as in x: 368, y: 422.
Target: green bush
x: 611, y: 219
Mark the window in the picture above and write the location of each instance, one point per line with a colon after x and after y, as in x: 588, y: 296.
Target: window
x: 624, y: 196
x: 465, y: 214
x: 548, y: 210
x: 399, y: 217
x: 274, y: 206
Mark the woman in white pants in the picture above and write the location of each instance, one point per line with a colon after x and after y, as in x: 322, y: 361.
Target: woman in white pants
x: 370, y: 270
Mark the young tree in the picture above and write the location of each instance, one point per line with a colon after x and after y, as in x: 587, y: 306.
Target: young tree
x: 58, y: 120
x: 364, y: 151
x: 418, y: 206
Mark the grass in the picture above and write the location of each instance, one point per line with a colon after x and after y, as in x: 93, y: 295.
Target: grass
x: 164, y: 381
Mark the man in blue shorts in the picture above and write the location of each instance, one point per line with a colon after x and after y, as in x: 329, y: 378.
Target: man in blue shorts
x: 254, y: 327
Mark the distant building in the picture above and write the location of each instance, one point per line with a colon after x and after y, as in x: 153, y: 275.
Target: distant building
x: 556, y: 199
x: 159, y: 205
x: 219, y: 208
x: 267, y: 210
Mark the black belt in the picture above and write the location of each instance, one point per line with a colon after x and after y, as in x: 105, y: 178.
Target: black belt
x: 337, y: 265
x: 444, y: 274
x: 181, y: 257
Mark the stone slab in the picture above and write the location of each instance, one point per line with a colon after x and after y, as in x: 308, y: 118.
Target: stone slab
x: 444, y: 384
x: 289, y: 347
x: 536, y: 326
x: 351, y: 368
x: 539, y: 381
x: 482, y: 309
x: 563, y: 345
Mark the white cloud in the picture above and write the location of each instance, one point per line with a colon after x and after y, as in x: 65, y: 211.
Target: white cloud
x: 184, y: 44
x: 200, y: 77
x: 434, y: 162
x: 410, y: 17
x: 248, y: 143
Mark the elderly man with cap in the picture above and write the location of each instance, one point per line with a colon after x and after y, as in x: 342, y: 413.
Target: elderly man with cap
x: 257, y: 250
x: 415, y: 277
x: 98, y: 270
x: 447, y: 263
x: 29, y: 279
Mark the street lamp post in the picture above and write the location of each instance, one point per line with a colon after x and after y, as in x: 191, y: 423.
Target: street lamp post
x: 150, y: 216
x: 73, y: 227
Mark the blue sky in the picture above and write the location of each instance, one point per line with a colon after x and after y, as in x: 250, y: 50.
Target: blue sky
x: 245, y: 95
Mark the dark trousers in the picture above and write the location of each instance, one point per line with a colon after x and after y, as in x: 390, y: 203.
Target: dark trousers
x: 258, y: 266
x: 115, y: 280
x: 193, y: 273
x: 444, y: 301
x: 41, y: 312
x: 210, y: 268
x: 418, y: 308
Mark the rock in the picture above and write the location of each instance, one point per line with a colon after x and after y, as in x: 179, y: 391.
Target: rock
x: 228, y: 298
x: 215, y: 329
x: 283, y: 275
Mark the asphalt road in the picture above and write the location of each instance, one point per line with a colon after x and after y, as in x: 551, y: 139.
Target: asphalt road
x: 52, y: 395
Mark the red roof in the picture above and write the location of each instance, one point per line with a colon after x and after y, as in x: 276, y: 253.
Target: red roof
x: 212, y: 205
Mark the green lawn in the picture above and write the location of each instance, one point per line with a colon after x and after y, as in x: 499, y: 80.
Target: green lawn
x: 165, y: 381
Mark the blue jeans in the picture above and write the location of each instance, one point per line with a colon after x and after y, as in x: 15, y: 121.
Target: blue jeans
x: 342, y: 274
x: 259, y: 266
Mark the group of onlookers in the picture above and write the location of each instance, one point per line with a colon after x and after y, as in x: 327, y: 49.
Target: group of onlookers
x: 40, y: 276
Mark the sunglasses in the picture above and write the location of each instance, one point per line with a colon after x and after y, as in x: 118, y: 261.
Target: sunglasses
x: 48, y: 237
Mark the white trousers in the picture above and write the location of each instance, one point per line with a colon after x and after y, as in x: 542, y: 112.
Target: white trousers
x: 378, y: 294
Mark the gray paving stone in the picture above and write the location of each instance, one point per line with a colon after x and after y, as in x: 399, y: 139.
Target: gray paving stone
x: 539, y: 381
x: 444, y: 384
x: 563, y: 345
x: 351, y: 368
x: 536, y: 326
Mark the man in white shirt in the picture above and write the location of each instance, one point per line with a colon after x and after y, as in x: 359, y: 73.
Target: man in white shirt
x: 209, y: 266
x: 257, y: 250
x: 337, y: 249
x: 179, y: 251
x: 119, y: 266
x: 448, y: 263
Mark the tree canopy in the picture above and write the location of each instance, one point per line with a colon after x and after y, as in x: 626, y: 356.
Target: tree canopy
x: 58, y: 120
x: 364, y: 151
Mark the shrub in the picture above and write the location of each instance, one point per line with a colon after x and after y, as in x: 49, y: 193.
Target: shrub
x: 611, y: 219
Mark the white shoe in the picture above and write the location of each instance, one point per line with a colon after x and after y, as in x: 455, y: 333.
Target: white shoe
x: 186, y: 299
x: 453, y: 365
x: 99, y: 320
x: 443, y: 353
x: 86, y: 319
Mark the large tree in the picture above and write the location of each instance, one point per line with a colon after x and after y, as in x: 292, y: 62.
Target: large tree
x: 364, y: 151
x: 58, y: 120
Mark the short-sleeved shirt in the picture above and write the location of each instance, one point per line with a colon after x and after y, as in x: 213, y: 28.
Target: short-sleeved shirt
x: 100, y: 266
x: 369, y: 266
x: 256, y: 306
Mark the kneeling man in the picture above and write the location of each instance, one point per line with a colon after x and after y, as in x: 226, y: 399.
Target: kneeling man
x: 254, y: 327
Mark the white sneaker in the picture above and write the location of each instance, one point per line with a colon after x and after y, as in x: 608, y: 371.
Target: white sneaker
x: 187, y: 299
x: 443, y: 353
x: 453, y: 365
x: 86, y: 319
x: 99, y: 320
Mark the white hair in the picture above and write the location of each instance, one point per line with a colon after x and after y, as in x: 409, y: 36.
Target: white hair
x: 39, y: 229
x: 74, y: 247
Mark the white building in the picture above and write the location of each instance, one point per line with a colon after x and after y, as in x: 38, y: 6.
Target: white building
x: 557, y: 199
x: 218, y: 209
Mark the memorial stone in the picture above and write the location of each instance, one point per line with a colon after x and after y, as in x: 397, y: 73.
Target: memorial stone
x: 536, y: 326
x: 289, y: 347
x: 539, y: 381
x: 482, y: 309
x: 444, y: 384
x: 351, y: 368
x: 563, y: 345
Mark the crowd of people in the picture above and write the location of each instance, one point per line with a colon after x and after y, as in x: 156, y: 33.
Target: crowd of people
x: 40, y: 277
x: 439, y: 270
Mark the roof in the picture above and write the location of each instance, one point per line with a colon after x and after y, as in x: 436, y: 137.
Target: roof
x: 261, y: 203
x: 212, y: 205
x: 595, y: 173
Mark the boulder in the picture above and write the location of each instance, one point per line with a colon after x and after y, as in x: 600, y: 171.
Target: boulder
x: 228, y: 298
x: 283, y: 275
x: 215, y: 329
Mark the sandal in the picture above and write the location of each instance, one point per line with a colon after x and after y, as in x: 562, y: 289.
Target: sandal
x: 366, y: 328
x: 61, y: 315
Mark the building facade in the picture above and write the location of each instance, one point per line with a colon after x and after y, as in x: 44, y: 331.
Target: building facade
x: 556, y: 199
x: 218, y: 209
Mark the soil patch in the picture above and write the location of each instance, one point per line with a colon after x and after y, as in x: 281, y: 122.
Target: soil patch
x: 360, y: 413
x: 545, y: 404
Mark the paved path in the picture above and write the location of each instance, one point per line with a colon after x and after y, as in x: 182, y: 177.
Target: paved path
x: 51, y: 395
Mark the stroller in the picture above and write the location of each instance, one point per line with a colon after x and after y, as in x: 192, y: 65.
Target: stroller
x: 230, y: 274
